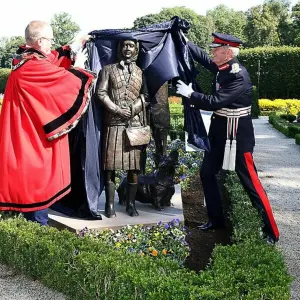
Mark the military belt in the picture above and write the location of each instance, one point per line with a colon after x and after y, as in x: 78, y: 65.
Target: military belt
x: 232, y: 116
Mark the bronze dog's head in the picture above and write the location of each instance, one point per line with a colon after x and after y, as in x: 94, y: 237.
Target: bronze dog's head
x: 168, y: 164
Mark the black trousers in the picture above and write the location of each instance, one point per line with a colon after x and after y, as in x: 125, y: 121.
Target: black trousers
x: 246, y: 171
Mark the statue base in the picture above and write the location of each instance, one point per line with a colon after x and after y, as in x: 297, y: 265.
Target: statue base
x: 148, y: 215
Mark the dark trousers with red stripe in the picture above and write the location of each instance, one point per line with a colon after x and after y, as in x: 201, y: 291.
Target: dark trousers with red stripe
x: 246, y: 171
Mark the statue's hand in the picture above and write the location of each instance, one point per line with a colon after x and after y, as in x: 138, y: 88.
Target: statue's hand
x: 124, y: 113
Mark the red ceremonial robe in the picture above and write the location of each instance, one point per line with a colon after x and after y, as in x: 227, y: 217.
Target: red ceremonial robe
x: 42, y: 103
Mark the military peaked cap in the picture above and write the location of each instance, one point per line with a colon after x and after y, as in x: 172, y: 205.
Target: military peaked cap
x: 221, y: 39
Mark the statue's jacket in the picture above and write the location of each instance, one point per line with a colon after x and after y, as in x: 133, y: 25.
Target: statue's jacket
x: 121, y: 86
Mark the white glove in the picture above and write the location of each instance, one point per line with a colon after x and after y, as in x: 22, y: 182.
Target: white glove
x: 183, y: 89
x: 78, y: 42
x: 81, y: 58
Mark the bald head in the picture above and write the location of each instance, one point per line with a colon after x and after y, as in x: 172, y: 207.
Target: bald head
x: 36, y: 30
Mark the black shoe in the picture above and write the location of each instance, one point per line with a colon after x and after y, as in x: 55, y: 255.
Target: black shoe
x: 270, y: 240
x: 210, y: 225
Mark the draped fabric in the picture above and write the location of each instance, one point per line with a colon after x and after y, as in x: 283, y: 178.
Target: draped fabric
x: 163, y: 56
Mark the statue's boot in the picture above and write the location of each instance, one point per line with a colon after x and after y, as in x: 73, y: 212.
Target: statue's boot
x: 130, y: 199
x: 110, y: 200
x: 122, y: 192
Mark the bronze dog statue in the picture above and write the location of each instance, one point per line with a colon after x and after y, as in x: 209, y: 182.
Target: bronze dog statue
x: 156, y: 188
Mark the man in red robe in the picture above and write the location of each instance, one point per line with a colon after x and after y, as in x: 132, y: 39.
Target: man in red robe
x: 44, y: 99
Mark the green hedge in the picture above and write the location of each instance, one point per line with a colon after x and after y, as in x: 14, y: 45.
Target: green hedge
x: 278, y: 76
x: 284, y: 126
x: 279, y: 71
x: 3, y: 78
x: 85, y: 268
x: 297, y: 138
x: 255, y: 110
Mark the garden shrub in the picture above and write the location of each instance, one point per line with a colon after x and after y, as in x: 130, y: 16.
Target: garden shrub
x: 177, y: 122
x: 293, y: 130
x: 91, y: 268
x: 297, y: 138
x: 4, y: 73
x: 285, y: 106
x: 265, y: 66
x: 287, y: 128
x: 255, y: 110
x: 289, y: 117
x: 278, y: 123
x: 176, y: 109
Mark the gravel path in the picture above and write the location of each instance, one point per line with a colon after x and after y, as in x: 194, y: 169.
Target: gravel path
x: 277, y: 159
x: 14, y: 286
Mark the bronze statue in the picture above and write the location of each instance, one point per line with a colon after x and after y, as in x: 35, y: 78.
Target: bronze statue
x: 158, y: 117
x: 121, y: 89
x: 160, y: 121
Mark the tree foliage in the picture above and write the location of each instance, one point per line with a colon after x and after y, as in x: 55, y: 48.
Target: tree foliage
x: 64, y: 29
x: 295, y: 31
x: 8, y: 47
x: 273, y: 23
x: 228, y: 21
x: 201, y: 26
x: 268, y: 23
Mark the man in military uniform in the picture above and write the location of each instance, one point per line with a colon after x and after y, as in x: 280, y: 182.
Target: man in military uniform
x: 231, y: 131
x: 121, y: 90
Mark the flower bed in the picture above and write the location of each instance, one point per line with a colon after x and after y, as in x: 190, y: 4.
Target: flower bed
x: 163, y: 240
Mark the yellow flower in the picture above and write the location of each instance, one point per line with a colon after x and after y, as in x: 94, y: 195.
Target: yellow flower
x: 118, y: 245
x: 154, y: 253
x: 150, y: 249
x: 164, y: 252
x: 142, y: 254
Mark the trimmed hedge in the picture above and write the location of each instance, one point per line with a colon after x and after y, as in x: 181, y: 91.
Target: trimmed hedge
x: 297, y: 138
x: 287, y: 106
x: 86, y: 268
x: 288, y: 117
x: 255, y: 109
x: 284, y: 126
x: 278, y: 75
x: 4, y: 73
x: 279, y: 71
